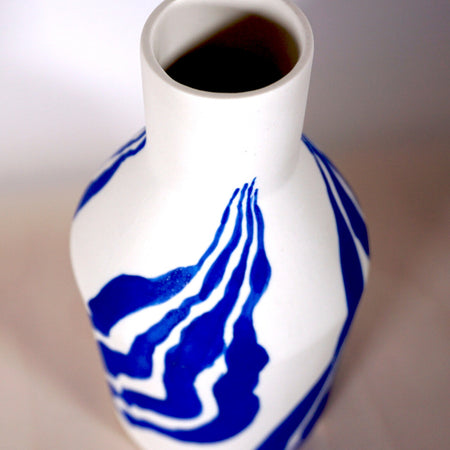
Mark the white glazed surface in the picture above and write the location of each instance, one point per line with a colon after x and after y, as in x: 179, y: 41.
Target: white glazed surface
x: 162, y: 206
x: 300, y: 317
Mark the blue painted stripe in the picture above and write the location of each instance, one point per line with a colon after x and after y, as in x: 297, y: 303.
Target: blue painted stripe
x: 306, y: 413
x: 101, y: 180
x: 200, y: 345
x: 350, y: 263
x: 279, y: 438
x: 129, y: 293
x: 353, y: 214
x: 132, y: 141
x: 125, y: 302
x: 202, y: 341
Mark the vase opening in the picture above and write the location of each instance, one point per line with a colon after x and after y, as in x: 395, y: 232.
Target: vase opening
x: 246, y: 55
x: 244, y: 52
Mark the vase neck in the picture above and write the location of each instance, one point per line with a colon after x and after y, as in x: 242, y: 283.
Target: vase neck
x: 254, y: 130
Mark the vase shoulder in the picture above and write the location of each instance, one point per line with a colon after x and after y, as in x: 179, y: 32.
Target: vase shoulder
x: 127, y: 212
x: 130, y: 231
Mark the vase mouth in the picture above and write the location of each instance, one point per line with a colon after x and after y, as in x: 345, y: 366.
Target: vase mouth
x: 227, y: 48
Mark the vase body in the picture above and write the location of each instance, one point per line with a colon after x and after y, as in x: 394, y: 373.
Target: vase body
x: 220, y: 255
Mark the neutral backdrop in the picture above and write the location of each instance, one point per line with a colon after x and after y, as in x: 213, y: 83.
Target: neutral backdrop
x: 379, y: 105
x: 71, y: 88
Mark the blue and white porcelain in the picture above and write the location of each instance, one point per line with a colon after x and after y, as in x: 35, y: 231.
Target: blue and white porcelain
x: 221, y: 256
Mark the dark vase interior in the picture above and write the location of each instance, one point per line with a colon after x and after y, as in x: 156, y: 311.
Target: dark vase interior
x: 248, y: 54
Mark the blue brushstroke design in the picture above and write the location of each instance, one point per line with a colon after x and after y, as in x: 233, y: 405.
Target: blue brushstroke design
x: 141, y: 134
x: 101, y: 180
x: 202, y: 340
x: 126, y: 294
x: 145, y: 343
x: 307, y: 412
x: 355, y: 218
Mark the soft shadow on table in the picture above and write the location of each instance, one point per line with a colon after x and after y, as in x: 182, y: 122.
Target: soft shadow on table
x: 392, y: 381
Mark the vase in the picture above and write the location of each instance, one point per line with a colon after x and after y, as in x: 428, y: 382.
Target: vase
x: 220, y: 255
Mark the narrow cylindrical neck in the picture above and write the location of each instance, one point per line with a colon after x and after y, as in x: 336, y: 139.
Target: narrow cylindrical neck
x: 224, y: 124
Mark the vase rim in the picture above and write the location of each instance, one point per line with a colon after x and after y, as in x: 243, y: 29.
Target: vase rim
x: 283, y: 13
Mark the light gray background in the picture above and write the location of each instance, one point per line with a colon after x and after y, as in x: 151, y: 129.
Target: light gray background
x: 71, y: 88
x: 70, y: 94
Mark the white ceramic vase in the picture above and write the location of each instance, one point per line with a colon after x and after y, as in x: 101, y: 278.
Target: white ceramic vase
x: 220, y: 255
